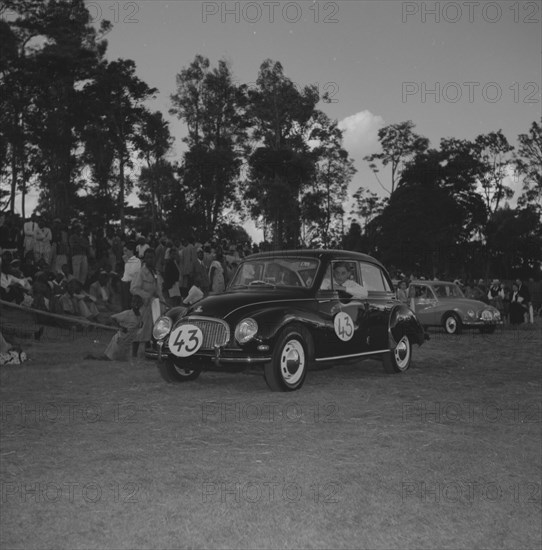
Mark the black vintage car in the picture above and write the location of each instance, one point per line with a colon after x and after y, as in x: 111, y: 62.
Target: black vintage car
x: 287, y: 311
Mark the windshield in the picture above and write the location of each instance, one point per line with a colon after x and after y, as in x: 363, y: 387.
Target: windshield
x: 447, y: 290
x: 274, y: 272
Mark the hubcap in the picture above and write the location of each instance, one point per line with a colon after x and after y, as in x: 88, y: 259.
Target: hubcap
x: 292, y: 361
x: 451, y: 324
x: 184, y: 372
x: 402, y: 353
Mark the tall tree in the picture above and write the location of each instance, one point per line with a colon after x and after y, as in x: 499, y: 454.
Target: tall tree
x: 213, y: 108
x: 61, y: 56
x: 118, y: 95
x: 282, y: 163
x: 322, y: 203
x: 153, y: 140
x: 495, y: 154
x: 399, y: 144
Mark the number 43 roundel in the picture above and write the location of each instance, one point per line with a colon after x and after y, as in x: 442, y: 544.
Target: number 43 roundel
x: 344, y: 326
x: 185, y: 340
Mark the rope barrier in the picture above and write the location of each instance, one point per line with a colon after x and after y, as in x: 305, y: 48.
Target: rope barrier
x: 69, y: 318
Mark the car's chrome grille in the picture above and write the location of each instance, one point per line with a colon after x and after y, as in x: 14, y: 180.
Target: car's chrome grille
x: 215, y: 332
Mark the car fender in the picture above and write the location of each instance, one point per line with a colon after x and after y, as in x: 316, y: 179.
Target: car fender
x: 272, y: 321
x: 403, y: 321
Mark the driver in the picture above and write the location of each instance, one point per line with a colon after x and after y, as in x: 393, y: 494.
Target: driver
x: 342, y: 281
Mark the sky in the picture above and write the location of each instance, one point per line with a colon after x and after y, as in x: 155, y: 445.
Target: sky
x: 456, y: 69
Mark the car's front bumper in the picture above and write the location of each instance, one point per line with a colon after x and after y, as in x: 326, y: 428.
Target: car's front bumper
x: 475, y: 323
x: 221, y: 356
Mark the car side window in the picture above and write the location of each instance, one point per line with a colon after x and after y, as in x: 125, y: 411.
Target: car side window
x: 345, y: 270
x: 373, y: 279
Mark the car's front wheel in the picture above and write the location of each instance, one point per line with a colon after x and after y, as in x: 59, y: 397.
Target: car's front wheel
x: 170, y: 372
x: 399, y: 358
x: 452, y: 323
x: 288, y: 367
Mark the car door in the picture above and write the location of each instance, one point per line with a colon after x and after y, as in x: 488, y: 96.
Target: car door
x: 344, y: 317
x: 425, y: 304
x: 380, y: 301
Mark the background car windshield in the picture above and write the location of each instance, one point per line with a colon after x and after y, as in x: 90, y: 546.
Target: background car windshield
x: 447, y: 291
x: 277, y: 272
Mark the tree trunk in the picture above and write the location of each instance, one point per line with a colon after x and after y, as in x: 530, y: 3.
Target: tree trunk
x: 121, y: 191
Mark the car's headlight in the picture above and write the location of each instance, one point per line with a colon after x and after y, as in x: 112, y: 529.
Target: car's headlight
x: 161, y: 328
x: 471, y: 313
x: 246, y: 330
x: 487, y: 315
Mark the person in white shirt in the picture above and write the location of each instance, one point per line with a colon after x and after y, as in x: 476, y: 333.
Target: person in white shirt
x: 132, y: 267
x: 30, y: 230
x: 342, y: 281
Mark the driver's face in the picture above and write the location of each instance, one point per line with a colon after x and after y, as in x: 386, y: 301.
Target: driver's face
x: 340, y: 274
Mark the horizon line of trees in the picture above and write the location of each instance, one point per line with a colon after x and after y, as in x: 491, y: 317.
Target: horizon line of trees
x: 75, y: 125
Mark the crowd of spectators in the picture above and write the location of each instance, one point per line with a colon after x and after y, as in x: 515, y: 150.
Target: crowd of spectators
x: 73, y: 270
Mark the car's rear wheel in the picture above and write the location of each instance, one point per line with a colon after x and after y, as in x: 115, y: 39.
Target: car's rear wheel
x: 288, y: 367
x: 171, y: 372
x: 452, y: 323
x: 399, y: 358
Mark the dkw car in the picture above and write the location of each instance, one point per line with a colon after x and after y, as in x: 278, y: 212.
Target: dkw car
x: 441, y: 303
x: 287, y: 311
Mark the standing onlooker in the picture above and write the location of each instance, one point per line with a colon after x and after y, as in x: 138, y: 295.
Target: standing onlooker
x: 402, y: 294
x: 535, y: 290
x: 132, y: 266
x: 495, y: 295
x: 79, y: 246
x: 148, y: 285
x: 517, y: 306
x: 216, y: 273
x: 42, y: 247
x: 187, y: 263
x: 201, y: 276
x: 526, y: 295
x: 30, y: 230
x: 160, y: 253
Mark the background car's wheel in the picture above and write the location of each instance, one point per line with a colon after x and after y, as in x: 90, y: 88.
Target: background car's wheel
x: 452, y: 323
x: 172, y: 373
x: 490, y: 329
x: 398, y: 359
x: 291, y: 355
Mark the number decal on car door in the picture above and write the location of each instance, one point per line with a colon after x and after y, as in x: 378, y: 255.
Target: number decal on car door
x: 185, y: 340
x: 344, y: 326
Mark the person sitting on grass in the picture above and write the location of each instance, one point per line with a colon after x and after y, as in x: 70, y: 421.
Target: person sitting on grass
x: 76, y: 302
x: 129, y: 321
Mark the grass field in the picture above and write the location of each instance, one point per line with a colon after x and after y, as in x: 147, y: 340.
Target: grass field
x: 107, y: 455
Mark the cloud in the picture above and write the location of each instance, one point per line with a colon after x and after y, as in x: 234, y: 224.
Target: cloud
x: 361, y: 133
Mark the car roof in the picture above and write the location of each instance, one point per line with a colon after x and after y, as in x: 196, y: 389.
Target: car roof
x: 319, y: 253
